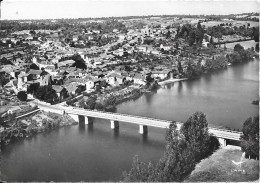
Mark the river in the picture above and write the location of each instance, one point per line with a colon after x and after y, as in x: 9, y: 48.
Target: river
x: 98, y: 153
x: 224, y: 96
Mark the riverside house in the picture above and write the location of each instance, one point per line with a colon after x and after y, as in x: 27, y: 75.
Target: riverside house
x: 60, y: 91
x: 161, y: 74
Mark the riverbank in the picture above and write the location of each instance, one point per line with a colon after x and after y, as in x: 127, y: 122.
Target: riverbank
x: 219, y: 167
x: 30, y: 125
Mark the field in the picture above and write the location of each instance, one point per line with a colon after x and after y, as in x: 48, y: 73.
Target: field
x: 235, y: 23
x: 219, y: 167
x: 245, y: 44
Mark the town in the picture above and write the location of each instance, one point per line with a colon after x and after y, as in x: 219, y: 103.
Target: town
x: 95, y: 64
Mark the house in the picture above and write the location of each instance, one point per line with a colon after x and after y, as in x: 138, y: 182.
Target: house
x: 97, y: 31
x: 164, y: 47
x: 205, y: 44
x: 72, y: 75
x: 115, y: 78
x: 22, y: 79
x: 33, y: 74
x: 66, y: 63
x: 45, y: 78
x: 90, y: 84
x: 121, y: 37
x: 139, y: 79
x: 73, y: 88
x: 160, y: 74
x: 142, y: 48
x: 60, y: 91
x: 75, y: 38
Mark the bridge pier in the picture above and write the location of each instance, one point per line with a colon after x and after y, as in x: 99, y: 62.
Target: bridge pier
x: 114, y: 124
x: 88, y: 120
x: 222, y: 142
x: 143, y: 129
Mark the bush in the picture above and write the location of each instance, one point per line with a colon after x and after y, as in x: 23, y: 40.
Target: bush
x: 99, y: 106
x: 22, y: 95
x: 90, y: 103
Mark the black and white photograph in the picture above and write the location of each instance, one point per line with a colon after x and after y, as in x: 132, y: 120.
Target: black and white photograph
x: 129, y: 90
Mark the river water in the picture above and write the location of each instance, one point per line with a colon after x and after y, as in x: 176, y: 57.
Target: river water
x: 98, y: 153
x: 224, y: 96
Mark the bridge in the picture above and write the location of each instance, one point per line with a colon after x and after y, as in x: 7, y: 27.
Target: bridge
x: 86, y: 116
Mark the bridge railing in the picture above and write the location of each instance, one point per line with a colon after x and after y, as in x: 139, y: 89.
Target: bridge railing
x: 220, y: 129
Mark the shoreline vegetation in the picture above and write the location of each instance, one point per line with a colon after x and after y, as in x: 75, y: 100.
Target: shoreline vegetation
x: 33, y: 124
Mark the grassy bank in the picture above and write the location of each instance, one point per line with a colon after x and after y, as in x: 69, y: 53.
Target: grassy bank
x: 219, y: 168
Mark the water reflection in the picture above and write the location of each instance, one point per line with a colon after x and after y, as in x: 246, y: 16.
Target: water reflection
x: 116, y: 133
x: 169, y: 86
x: 82, y: 128
x: 144, y: 138
x: 90, y: 128
x: 238, y: 73
x: 180, y: 87
x: 207, y: 78
x: 148, y: 97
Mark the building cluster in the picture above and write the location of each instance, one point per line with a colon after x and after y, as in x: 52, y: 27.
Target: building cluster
x: 104, y: 64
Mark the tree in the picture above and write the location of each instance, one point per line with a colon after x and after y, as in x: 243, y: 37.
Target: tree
x: 3, y: 79
x: 192, y: 37
x: 199, y: 34
x: 256, y: 34
x: 180, y: 69
x: 238, y: 48
x: 90, y: 103
x: 99, y: 106
x: 195, y: 131
x: 22, y: 95
x: 211, y: 40
x: 235, y: 57
x: 257, y: 47
x: 32, y: 88
x: 128, y: 68
x: 4, y: 61
x: 250, y: 137
x: 82, y: 103
x: 79, y: 62
x: 34, y: 66
x: 47, y: 94
x: 110, y: 101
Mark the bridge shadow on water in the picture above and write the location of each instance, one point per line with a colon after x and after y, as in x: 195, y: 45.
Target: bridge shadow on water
x: 121, y: 135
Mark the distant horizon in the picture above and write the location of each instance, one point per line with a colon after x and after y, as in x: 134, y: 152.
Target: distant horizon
x: 76, y: 9
x: 127, y: 16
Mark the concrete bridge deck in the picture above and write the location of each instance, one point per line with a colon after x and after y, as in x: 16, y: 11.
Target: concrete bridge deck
x: 75, y: 113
